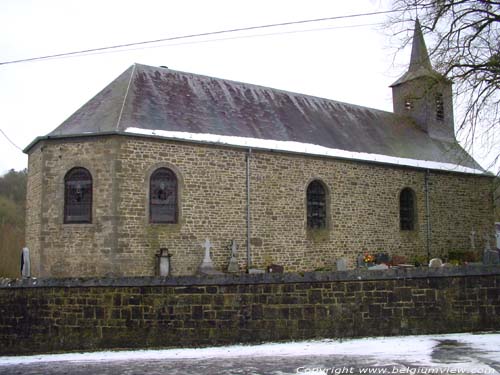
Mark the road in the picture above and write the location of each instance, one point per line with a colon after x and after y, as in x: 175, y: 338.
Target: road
x: 413, y: 355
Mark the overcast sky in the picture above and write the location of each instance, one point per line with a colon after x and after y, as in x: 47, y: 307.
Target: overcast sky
x: 350, y: 60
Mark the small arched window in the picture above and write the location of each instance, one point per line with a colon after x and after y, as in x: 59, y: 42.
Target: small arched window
x: 78, y: 196
x: 163, y: 196
x: 407, y: 209
x: 316, y: 205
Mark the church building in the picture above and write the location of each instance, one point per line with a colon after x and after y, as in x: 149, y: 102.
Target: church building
x: 163, y: 159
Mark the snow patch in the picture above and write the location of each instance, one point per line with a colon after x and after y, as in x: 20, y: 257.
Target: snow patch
x: 416, y: 350
x: 302, y: 148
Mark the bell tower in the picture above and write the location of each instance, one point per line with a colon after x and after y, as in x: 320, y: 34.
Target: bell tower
x: 424, y: 94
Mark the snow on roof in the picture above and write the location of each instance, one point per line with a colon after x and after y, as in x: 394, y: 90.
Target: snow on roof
x: 301, y: 148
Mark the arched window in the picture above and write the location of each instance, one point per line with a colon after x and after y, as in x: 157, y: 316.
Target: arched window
x: 407, y: 209
x: 163, y: 196
x: 78, y: 196
x: 316, y: 205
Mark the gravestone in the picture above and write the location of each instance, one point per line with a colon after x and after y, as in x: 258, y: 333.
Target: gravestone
x: 360, y: 261
x: 25, y: 263
x: 497, y: 234
x: 490, y: 256
x: 207, y: 266
x: 435, y: 263
x: 163, y: 262
x: 377, y: 267
x: 382, y: 258
x: 233, y: 266
x: 275, y: 268
x: 473, y: 240
x: 341, y: 264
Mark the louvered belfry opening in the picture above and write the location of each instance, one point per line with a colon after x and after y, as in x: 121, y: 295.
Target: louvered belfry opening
x: 316, y: 205
x: 78, y: 196
x: 163, y: 197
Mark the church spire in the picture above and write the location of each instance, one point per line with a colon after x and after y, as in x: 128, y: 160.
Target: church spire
x: 419, y: 54
x: 420, y: 63
x: 423, y: 94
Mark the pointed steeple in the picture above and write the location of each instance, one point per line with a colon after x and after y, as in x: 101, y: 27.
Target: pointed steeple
x: 419, y: 55
x: 423, y: 94
x: 420, y: 64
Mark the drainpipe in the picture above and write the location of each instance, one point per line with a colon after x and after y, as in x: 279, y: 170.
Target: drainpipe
x: 428, y: 215
x: 249, y: 258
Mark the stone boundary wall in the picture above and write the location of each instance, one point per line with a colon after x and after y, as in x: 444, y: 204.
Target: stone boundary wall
x: 50, y: 315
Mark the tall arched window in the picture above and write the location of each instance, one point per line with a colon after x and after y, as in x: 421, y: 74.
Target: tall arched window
x: 407, y: 209
x: 163, y: 196
x: 316, y: 205
x: 78, y: 196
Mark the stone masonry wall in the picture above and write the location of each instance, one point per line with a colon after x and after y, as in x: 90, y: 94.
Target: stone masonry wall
x: 60, y: 249
x: 34, y: 206
x: 90, y: 314
x: 363, y: 206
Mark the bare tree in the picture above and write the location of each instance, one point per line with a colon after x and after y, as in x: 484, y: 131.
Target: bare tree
x: 463, y: 37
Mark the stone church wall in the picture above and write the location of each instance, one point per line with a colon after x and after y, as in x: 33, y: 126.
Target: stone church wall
x: 363, y: 207
x: 89, y: 314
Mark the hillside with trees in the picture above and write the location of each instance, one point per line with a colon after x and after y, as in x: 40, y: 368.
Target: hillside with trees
x: 12, y: 217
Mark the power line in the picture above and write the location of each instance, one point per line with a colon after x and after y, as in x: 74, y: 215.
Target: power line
x: 193, y: 36
x: 228, y: 38
x: 12, y: 143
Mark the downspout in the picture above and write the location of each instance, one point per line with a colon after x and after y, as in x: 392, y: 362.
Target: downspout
x: 249, y: 258
x: 427, y: 215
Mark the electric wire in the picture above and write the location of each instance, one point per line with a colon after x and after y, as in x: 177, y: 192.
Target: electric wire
x: 220, y: 39
x: 99, y: 49
x: 12, y: 143
x: 227, y: 38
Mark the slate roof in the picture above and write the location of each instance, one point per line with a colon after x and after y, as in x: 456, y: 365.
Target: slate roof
x: 155, y: 98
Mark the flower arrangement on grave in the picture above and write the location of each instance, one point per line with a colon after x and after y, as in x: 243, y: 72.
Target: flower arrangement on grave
x: 369, y: 259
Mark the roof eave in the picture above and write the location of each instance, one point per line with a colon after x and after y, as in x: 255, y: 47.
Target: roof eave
x: 33, y: 143
x: 121, y: 133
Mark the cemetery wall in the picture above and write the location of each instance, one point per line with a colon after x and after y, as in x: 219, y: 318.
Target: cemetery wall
x: 49, y: 315
x: 362, y: 200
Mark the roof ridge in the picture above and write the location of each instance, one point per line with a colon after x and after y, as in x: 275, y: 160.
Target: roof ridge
x: 125, y: 98
x: 268, y: 88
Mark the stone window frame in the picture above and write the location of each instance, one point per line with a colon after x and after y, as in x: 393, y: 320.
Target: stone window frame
x: 327, y: 205
x: 412, y: 219
x: 60, y: 198
x: 180, y: 190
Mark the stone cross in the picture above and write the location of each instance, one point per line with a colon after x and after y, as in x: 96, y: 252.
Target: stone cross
x: 207, y: 267
x: 207, y: 245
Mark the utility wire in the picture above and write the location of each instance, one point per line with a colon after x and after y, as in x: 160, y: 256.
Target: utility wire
x: 194, y: 36
x: 12, y: 143
x: 224, y: 39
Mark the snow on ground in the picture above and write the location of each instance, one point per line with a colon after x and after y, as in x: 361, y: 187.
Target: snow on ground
x: 302, y: 148
x: 417, y: 350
